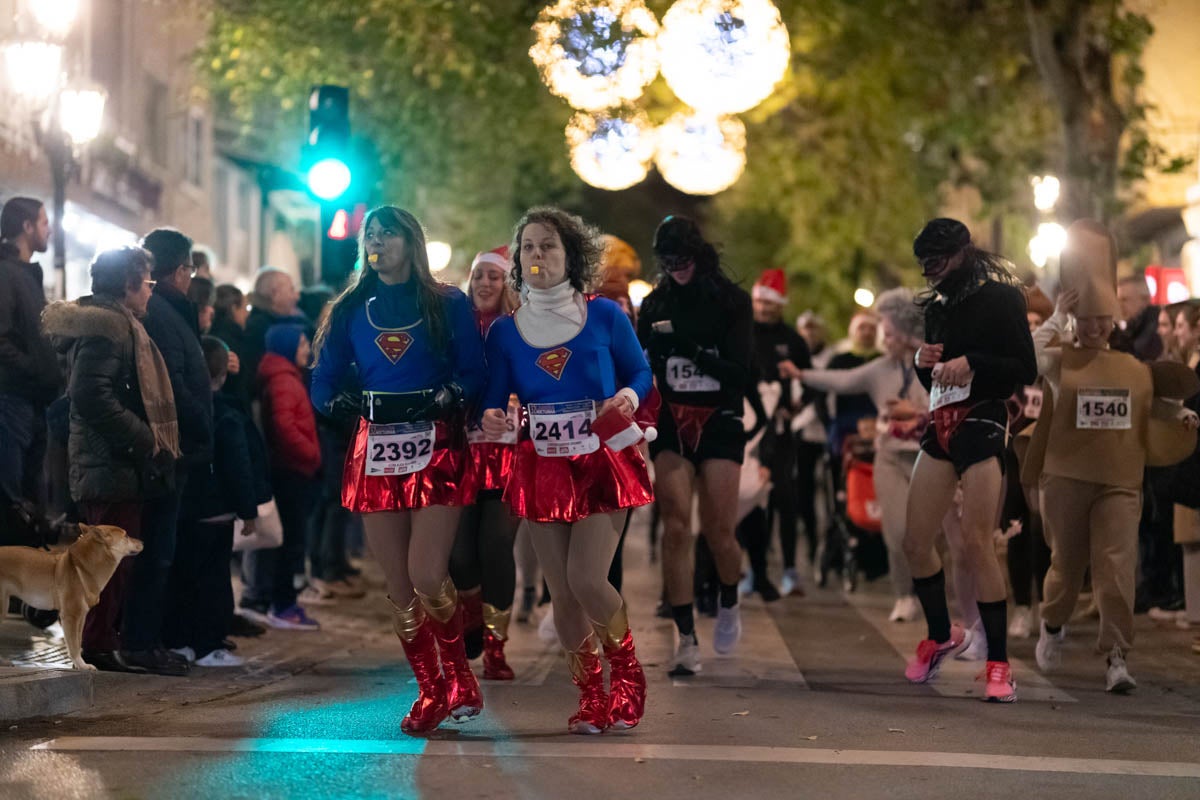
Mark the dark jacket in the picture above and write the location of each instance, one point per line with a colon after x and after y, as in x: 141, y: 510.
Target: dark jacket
x: 110, y: 444
x: 239, y: 386
x: 28, y: 367
x: 1139, y: 337
x: 287, y: 416
x: 237, y: 479
x: 167, y: 322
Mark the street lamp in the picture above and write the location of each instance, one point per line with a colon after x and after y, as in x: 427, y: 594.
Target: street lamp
x: 65, y: 117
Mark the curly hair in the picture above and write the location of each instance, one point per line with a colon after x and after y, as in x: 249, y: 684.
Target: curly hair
x: 582, y: 244
x: 900, y: 307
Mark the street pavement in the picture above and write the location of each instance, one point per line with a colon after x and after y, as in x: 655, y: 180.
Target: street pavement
x: 814, y: 704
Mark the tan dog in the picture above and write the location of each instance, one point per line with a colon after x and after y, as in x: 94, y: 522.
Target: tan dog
x: 69, y: 580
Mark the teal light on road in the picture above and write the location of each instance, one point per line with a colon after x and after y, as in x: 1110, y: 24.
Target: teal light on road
x: 329, y: 178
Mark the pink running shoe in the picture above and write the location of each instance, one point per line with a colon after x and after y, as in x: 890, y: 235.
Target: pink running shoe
x: 1001, y: 688
x: 924, y: 667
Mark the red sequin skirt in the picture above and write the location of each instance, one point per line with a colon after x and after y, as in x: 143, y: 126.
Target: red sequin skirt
x: 568, y: 489
x: 445, y: 482
x: 491, y: 464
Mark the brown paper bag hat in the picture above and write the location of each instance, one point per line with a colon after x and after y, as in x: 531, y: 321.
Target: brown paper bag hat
x: 1089, y: 265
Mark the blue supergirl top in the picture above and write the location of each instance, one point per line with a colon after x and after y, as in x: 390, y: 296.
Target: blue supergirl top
x: 601, y: 359
x: 389, y: 341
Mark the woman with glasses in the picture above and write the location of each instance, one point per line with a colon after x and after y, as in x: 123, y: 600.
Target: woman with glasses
x: 419, y: 358
x: 696, y: 327
x: 573, y: 360
x: 977, y: 352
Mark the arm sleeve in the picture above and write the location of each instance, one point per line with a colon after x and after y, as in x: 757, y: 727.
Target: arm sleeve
x: 233, y: 460
x: 859, y: 380
x: 732, y: 366
x: 633, y: 371
x: 295, y: 432
x: 1048, y: 358
x: 94, y: 397
x: 1017, y: 365
x: 333, y: 361
x: 499, y: 376
x: 470, y: 371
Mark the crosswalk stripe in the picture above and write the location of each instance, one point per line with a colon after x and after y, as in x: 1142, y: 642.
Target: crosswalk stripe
x: 621, y: 750
x: 956, y: 678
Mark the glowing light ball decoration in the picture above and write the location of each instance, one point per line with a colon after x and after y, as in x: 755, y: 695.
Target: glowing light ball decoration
x: 701, y: 154
x: 597, y: 54
x: 611, y: 151
x: 723, y: 56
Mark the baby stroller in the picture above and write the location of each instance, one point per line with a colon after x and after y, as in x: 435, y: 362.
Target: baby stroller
x: 852, y: 509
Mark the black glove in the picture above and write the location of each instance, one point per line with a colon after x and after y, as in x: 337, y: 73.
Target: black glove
x: 158, y: 475
x: 672, y: 343
x: 345, y: 408
x: 450, y: 396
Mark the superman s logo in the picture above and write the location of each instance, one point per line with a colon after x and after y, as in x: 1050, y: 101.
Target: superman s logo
x: 553, y: 362
x: 394, y: 344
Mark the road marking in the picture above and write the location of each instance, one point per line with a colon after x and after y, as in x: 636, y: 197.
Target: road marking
x: 956, y: 678
x: 762, y: 659
x: 619, y: 750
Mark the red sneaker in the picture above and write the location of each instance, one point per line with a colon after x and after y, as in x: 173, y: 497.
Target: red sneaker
x: 1001, y: 688
x: 924, y: 667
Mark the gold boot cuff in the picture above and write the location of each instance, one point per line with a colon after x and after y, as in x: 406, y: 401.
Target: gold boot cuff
x: 442, y: 605
x: 496, y: 621
x: 575, y: 657
x: 406, y: 621
x: 613, y: 633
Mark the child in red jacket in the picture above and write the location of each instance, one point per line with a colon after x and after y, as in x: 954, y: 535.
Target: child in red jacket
x: 291, y: 432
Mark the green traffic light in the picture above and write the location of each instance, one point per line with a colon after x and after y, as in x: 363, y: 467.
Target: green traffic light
x: 329, y: 178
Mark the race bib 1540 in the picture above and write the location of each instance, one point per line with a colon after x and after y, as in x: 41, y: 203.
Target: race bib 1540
x: 399, y: 449
x: 563, y: 429
x: 1103, y: 409
x: 684, y: 376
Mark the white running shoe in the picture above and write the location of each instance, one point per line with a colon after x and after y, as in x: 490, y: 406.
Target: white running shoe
x: 186, y: 652
x: 220, y: 658
x: 1161, y: 614
x: 546, y: 630
x: 687, y: 657
x: 1021, y: 624
x: 791, y: 585
x: 1049, y: 649
x: 976, y: 649
x: 1117, y: 679
x: 728, y: 630
x: 746, y: 584
x: 907, y: 609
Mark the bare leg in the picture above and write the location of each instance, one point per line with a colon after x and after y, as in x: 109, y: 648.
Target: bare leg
x: 718, y: 509
x: 388, y: 535
x: 674, y: 477
x: 930, y: 497
x: 552, y: 543
x: 982, y: 484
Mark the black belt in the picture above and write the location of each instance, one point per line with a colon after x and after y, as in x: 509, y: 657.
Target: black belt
x: 389, y: 408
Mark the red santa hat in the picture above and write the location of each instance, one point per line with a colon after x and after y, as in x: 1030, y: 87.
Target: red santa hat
x: 618, y: 431
x: 771, y: 286
x: 497, y: 256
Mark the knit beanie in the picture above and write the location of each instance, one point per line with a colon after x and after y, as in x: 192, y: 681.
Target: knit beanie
x: 284, y: 340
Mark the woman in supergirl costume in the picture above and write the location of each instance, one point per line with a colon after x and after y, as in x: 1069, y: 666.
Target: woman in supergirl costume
x: 482, y: 564
x: 569, y: 358
x: 420, y: 363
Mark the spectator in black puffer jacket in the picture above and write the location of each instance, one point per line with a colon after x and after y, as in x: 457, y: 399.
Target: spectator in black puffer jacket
x: 119, y: 458
x: 201, y: 603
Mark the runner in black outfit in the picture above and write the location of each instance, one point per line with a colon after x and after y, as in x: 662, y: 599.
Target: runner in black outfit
x: 977, y: 353
x: 696, y: 328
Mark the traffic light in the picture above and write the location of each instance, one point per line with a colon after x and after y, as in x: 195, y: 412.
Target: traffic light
x: 327, y: 155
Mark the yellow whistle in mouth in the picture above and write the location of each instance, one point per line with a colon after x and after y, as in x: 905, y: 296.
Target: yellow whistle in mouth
x: 374, y: 257
x: 535, y: 269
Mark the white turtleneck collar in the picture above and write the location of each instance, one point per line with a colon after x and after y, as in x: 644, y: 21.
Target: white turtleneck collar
x: 550, y: 317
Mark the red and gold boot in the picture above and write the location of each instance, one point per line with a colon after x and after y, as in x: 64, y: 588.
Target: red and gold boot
x: 495, y: 634
x: 472, y: 605
x: 587, y: 672
x: 446, y: 619
x: 626, y: 681
x: 416, y: 637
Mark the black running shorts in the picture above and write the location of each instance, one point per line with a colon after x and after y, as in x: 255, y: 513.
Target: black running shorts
x: 721, y: 436
x: 983, y: 434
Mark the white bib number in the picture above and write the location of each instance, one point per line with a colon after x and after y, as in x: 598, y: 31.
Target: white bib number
x: 684, y: 376
x: 947, y: 395
x: 475, y: 434
x: 1103, y: 409
x: 563, y: 429
x: 399, y: 449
